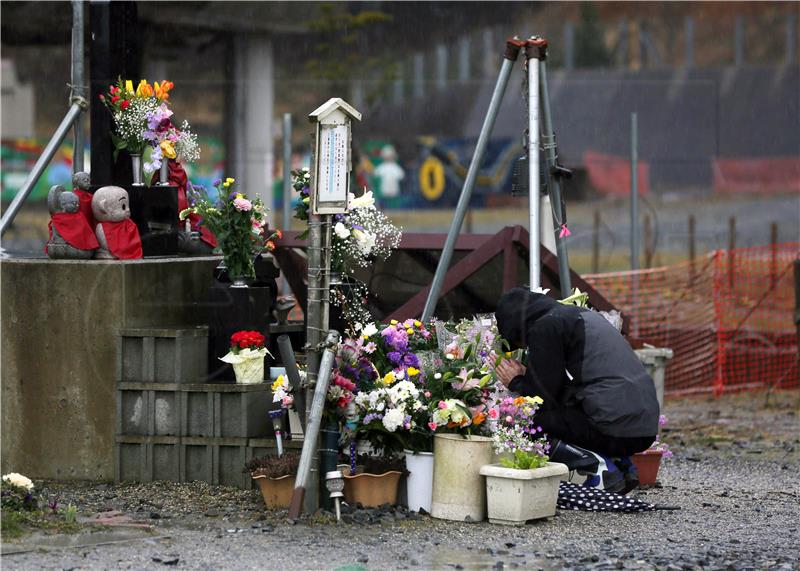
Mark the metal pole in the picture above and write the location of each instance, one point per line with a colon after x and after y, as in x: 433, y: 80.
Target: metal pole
x: 44, y: 159
x: 554, y: 186
x: 290, y: 364
x: 534, y: 52
x: 78, y: 80
x: 301, y: 483
x: 634, y: 191
x: 287, y: 182
x: 512, y: 51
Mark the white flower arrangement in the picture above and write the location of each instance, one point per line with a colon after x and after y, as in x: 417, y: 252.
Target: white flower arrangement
x: 19, y: 481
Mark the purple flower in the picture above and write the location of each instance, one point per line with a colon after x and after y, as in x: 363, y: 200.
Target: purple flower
x: 233, y: 194
x: 411, y: 360
x: 217, y: 182
x: 395, y: 357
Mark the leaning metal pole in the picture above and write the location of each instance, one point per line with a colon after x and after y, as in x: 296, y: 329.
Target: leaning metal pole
x: 554, y: 181
x: 74, y: 112
x: 310, y: 438
x: 513, y: 47
x: 534, y: 51
x: 78, y: 82
x: 287, y: 180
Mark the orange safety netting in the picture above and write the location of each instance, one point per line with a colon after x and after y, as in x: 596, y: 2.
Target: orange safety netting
x: 728, y: 317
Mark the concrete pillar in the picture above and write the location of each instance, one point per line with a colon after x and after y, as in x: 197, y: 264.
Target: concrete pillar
x: 464, y: 59
x: 569, y: 45
x: 419, y: 75
x: 441, y: 66
x: 791, y: 39
x: 399, y: 86
x: 688, y: 38
x: 738, y: 41
x: 251, y: 160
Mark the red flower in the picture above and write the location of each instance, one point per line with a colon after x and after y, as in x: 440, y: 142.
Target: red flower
x: 279, y: 233
x: 102, y: 97
x: 247, y: 339
x: 125, y: 104
x: 114, y: 99
x: 270, y: 245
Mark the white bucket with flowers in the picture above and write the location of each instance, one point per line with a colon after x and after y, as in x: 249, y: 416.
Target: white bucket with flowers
x: 247, y: 356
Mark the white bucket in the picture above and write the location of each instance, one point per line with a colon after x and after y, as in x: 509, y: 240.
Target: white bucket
x: 459, y: 490
x: 419, y: 483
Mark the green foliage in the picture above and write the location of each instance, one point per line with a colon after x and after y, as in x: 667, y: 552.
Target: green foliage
x: 590, y: 50
x: 524, y: 461
x: 340, y: 35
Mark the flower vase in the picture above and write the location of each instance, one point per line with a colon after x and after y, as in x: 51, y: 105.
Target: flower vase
x: 516, y: 496
x: 249, y: 371
x: 163, y: 173
x: 371, y: 490
x: 136, y: 164
x: 459, y: 491
x: 419, y: 483
x: 239, y: 281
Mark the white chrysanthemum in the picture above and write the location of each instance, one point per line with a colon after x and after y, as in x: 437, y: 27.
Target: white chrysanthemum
x: 341, y: 230
x: 393, y: 419
x: 370, y: 330
x: 18, y: 480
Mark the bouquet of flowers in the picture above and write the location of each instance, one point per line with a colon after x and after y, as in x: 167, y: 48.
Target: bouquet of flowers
x: 283, y: 392
x: 392, y: 418
x: 246, y: 345
x: 130, y: 109
x: 341, y: 393
x: 516, y: 435
x: 17, y: 493
x: 238, y: 222
x: 167, y: 141
x: 359, y: 237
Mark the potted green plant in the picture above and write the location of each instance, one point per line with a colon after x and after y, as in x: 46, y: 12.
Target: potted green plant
x: 246, y: 355
x: 524, y: 485
x: 275, y: 477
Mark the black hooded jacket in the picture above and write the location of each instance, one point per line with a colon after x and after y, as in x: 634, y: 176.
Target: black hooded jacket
x: 576, y: 358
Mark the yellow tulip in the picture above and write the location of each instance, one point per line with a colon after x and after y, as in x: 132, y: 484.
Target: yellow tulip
x: 129, y: 86
x: 168, y: 150
x: 144, y: 89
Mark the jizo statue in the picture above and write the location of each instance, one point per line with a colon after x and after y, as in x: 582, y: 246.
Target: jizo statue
x: 116, y: 233
x: 70, y: 235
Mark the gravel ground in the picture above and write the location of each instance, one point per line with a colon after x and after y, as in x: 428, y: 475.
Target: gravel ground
x: 734, y: 475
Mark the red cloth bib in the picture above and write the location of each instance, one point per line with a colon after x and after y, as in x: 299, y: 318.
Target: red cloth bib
x: 86, y: 206
x: 123, y: 239
x: 177, y: 177
x: 74, y: 229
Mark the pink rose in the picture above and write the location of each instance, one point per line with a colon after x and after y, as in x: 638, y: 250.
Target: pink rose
x: 493, y: 414
x: 442, y: 405
x: 242, y: 204
x: 432, y: 425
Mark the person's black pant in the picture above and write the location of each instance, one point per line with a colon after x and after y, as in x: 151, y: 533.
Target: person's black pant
x: 573, y: 427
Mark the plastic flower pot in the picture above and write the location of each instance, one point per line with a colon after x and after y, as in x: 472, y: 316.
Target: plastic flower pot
x: 516, y: 496
x: 277, y: 492
x: 371, y: 490
x: 647, y: 464
x: 459, y: 492
x: 419, y: 482
x: 249, y: 371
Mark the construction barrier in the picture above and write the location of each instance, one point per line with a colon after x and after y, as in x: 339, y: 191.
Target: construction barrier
x: 728, y: 317
x: 611, y: 175
x: 761, y: 176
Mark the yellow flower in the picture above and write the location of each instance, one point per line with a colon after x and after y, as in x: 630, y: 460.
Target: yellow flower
x: 508, y: 354
x: 278, y: 383
x: 412, y: 371
x: 393, y: 322
x: 410, y: 331
x: 129, y: 86
x: 537, y: 400
x: 388, y: 379
x: 168, y: 150
x: 230, y: 180
x: 144, y: 89
x: 417, y: 324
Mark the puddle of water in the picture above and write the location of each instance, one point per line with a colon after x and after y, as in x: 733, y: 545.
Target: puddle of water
x: 479, y: 560
x: 77, y: 540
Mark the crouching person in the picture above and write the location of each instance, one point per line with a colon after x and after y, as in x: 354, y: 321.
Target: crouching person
x: 600, y: 405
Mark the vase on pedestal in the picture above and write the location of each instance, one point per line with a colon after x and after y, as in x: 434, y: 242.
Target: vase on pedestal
x: 136, y: 165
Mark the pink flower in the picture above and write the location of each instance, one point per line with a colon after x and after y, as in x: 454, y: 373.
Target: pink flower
x: 442, y: 405
x: 432, y: 425
x: 427, y: 394
x: 287, y: 401
x: 370, y: 347
x: 510, y: 419
x: 493, y: 414
x: 242, y: 204
x: 257, y: 224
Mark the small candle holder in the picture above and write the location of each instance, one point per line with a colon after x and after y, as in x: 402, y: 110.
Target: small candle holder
x: 334, y: 482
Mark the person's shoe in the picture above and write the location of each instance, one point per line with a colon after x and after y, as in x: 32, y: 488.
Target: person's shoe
x: 629, y: 472
x: 606, y: 476
x: 574, y: 457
